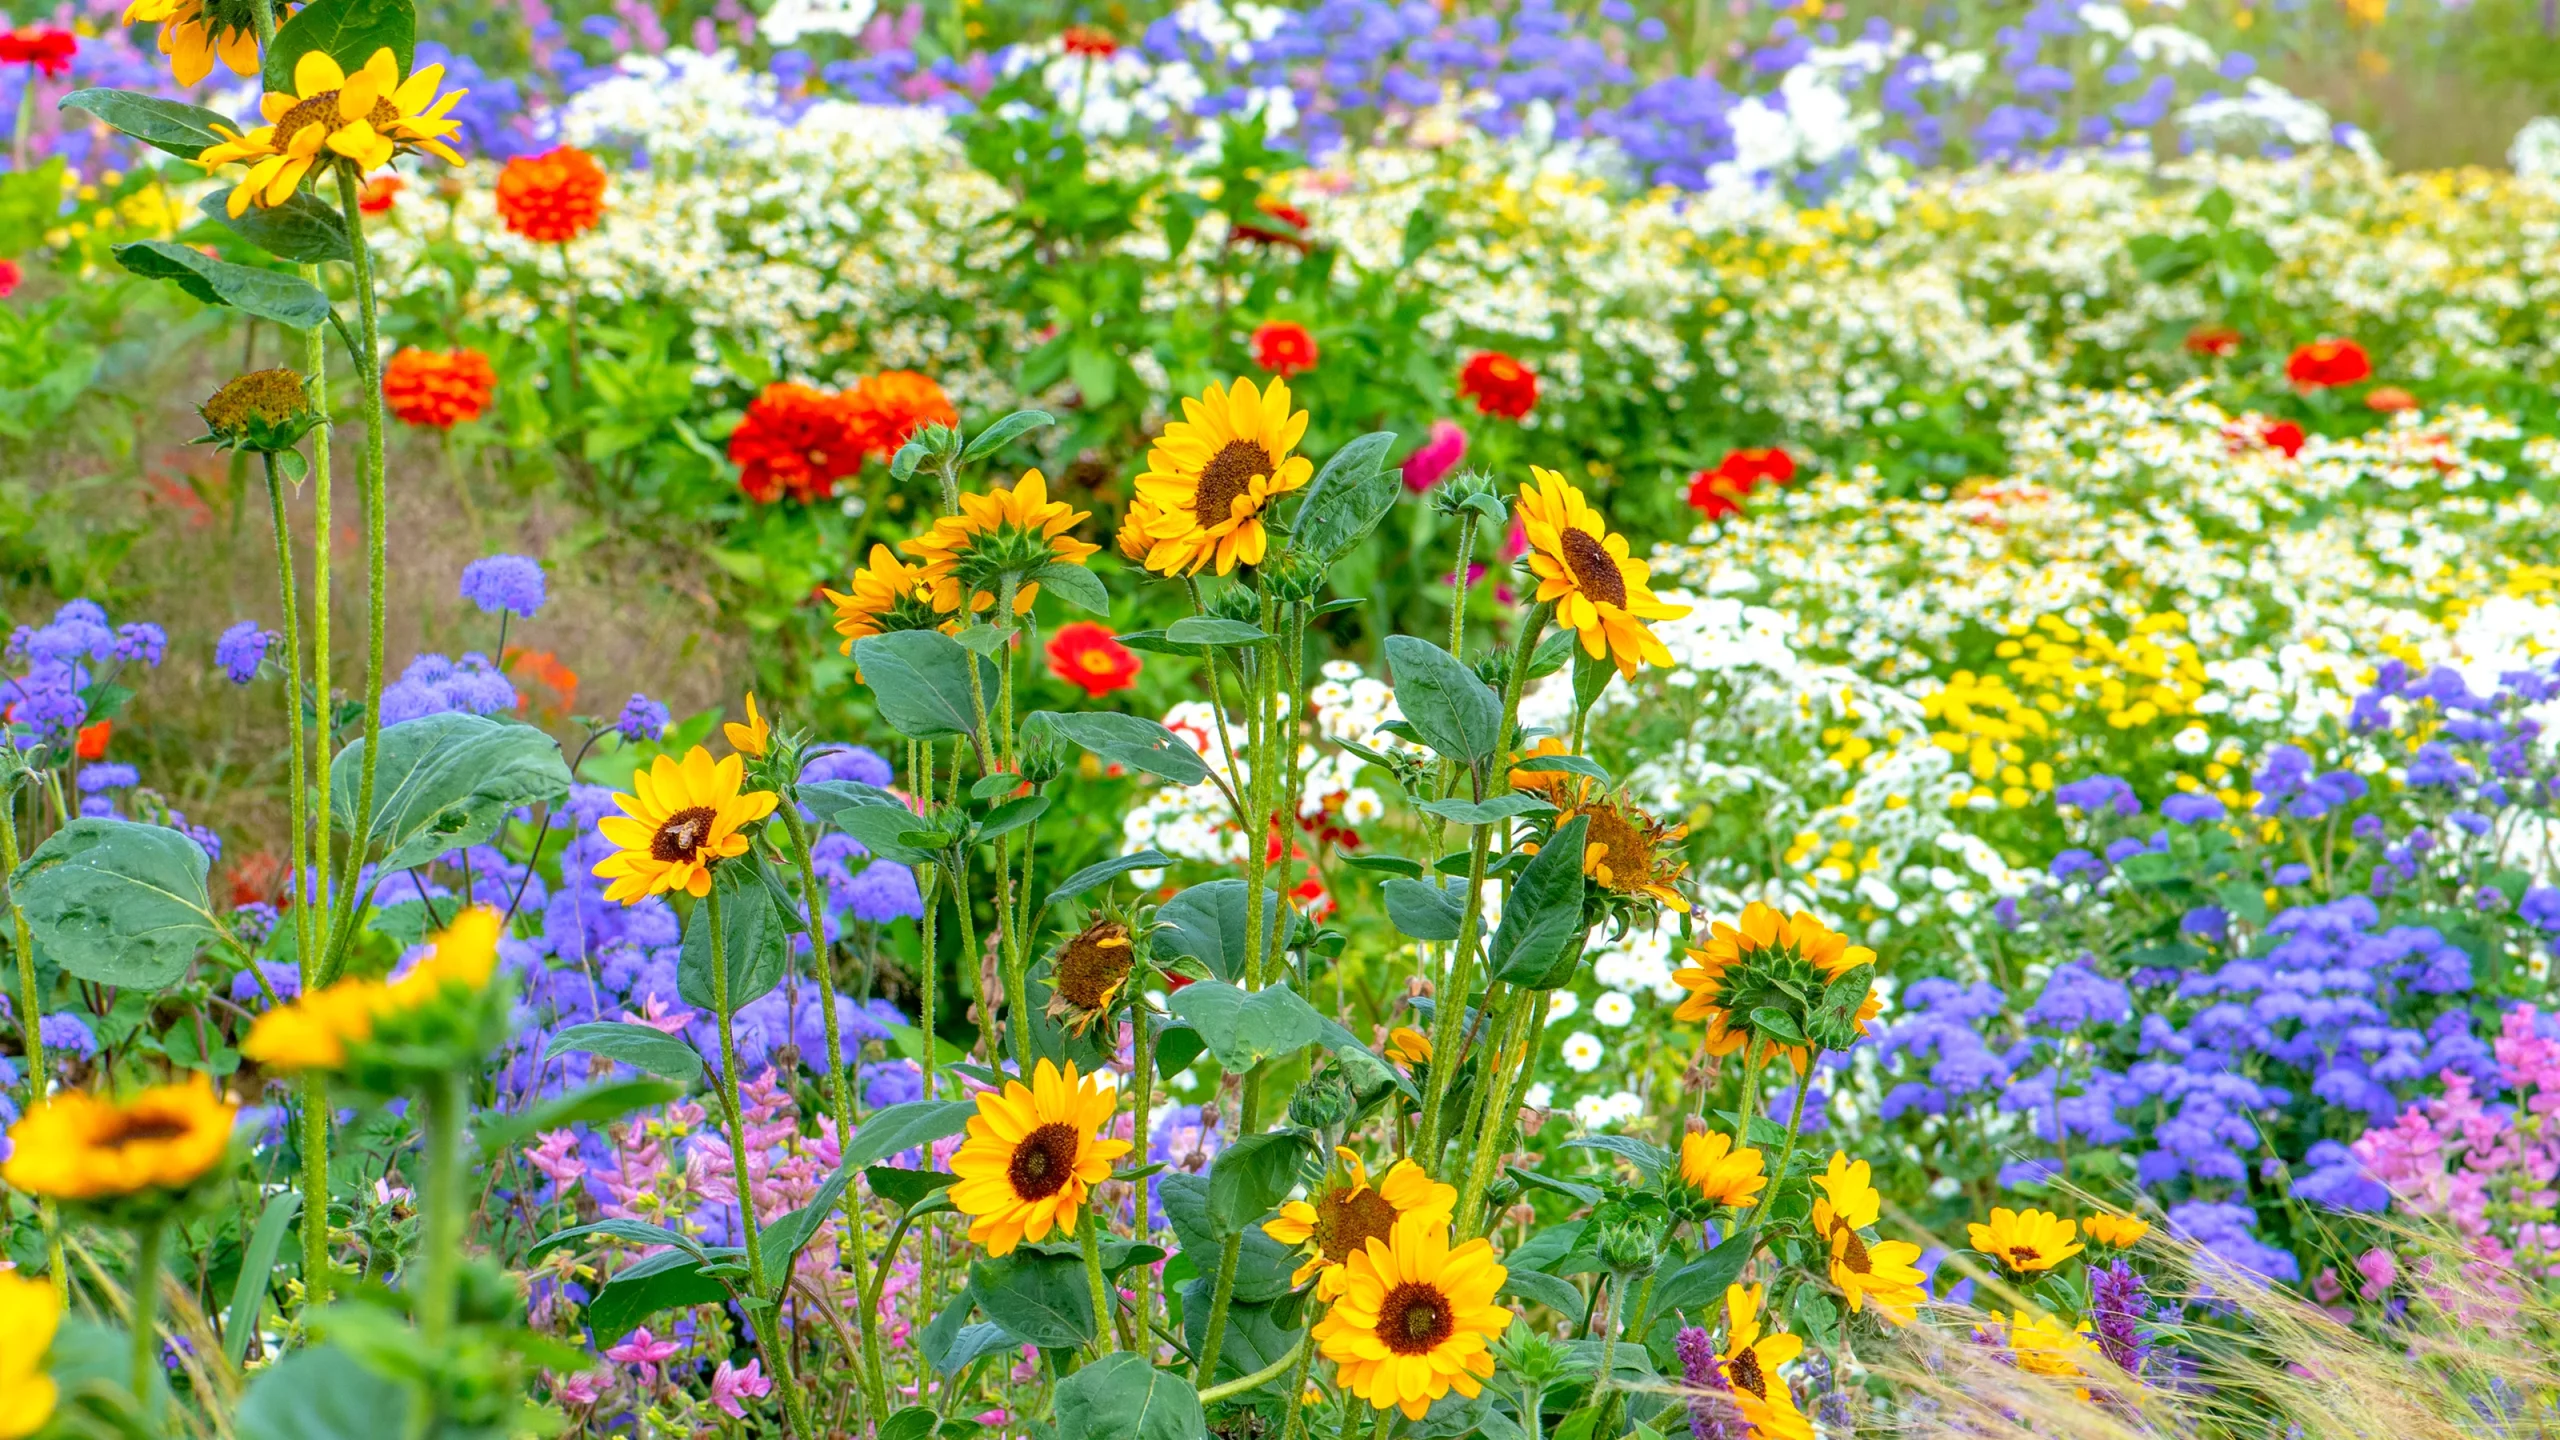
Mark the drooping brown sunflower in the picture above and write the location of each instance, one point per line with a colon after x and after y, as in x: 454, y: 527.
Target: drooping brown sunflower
x: 1089, y: 972
x: 1628, y: 851
x: 1344, y: 1218
x: 1600, y: 592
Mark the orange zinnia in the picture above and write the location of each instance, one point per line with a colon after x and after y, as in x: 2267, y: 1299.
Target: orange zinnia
x: 551, y: 198
x: 795, y: 440
x: 438, y: 389
x: 886, y: 410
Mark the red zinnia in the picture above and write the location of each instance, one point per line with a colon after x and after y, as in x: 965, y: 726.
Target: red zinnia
x: 2213, y: 340
x: 797, y: 440
x: 551, y: 198
x: 1768, y: 465
x: 10, y: 275
x: 1284, y: 348
x: 438, y: 389
x: 1715, y: 495
x: 91, y: 743
x: 886, y: 410
x: 1082, y: 41
x: 1499, y: 384
x: 2389, y: 400
x: 1295, y: 236
x: 1085, y: 654
x: 379, y: 193
x: 2324, y: 363
x: 2283, y: 435
x: 49, y: 50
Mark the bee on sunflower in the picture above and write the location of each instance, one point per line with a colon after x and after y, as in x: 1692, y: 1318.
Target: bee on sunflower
x: 1033, y: 1154
x: 684, y: 817
x: 363, y: 119
x: 1632, y: 855
x: 1010, y: 533
x: 1600, y: 592
x: 1213, y: 476
x: 2025, y: 1241
x: 1344, y: 1218
x: 1790, y: 983
x: 886, y: 596
x: 1413, y: 1318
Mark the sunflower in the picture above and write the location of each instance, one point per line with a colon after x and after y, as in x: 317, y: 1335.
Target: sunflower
x: 1344, y: 1219
x: 1751, y: 1362
x: 1629, y: 852
x: 314, y: 1031
x: 2120, y: 1232
x: 1600, y: 592
x: 753, y: 738
x: 1003, y: 532
x: 2025, y: 1240
x: 1412, y: 1317
x: 2043, y: 1347
x: 365, y: 118
x: 1849, y: 1200
x: 889, y: 595
x: 685, y: 815
x: 1134, y: 541
x: 1408, y: 1047
x: 1212, y: 476
x: 1090, y: 970
x: 29, y: 1314
x: 1725, y: 1176
x: 1556, y: 787
x: 1884, y: 1272
x: 1032, y: 1155
x: 78, y: 1146
x: 194, y: 34
x: 1762, y: 960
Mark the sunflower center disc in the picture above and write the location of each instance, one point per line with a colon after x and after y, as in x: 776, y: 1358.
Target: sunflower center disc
x: 1227, y: 477
x: 1044, y: 1161
x: 1630, y: 853
x: 140, y: 1130
x: 1346, y: 1222
x: 1093, y: 965
x: 2023, y: 1256
x: 1744, y: 1371
x: 682, y: 834
x: 1592, y: 566
x: 1415, y: 1318
x: 322, y: 110
x: 1854, y: 1254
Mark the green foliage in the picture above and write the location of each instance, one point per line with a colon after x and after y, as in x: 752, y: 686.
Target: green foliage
x: 119, y: 903
x: 641, y: 1047
x: 446, y: 782
x: 755, y: 930
x: 288, y: 300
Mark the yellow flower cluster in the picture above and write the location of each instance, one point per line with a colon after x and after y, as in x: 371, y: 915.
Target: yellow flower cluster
x: 313, y: 1032
x: 2055, y: 671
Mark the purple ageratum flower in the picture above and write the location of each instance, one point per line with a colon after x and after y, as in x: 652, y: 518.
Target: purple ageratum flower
x: 883, y: 892
x: 2192, y: 809
x: 504, y: 584
x: 848, y: 762
x: 65, y: 1032
x: 2076, y: 996
x: 434, y: 685
x: 2540, y: 908
x: 98, y: 779
x: 144, y: 642
x: 2098, y: 795
x: 642, y: 719
x: 241, y: 650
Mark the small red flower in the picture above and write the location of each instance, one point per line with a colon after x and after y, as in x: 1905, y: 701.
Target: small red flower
x: 2324, y: 363
x: 438, y: 389
x: 1499, y: 384
x: 1716, y: 495
x: 262, y: 879
x: 1768, y: 465
x: 10, y: 275
x: 378, y: 194
x: 2389, y: 400
x: 887, y: 409
x: 2282, y: 435
x: 1290, y: 216
x: 1085, y: 654
x: 1081, y: 40
x: 91, y: 743
x: 551, y: 198
x: 1284, y: 348
x: 798, y: 441
x: 48, y: 49
x: 2213, y: 340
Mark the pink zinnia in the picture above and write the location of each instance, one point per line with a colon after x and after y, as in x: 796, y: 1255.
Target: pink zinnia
x: 1438, y: 454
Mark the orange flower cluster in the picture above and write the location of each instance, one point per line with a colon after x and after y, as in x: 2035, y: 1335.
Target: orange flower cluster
x: 438, y: 389
x: 799, y: 441
x: 551, y: 198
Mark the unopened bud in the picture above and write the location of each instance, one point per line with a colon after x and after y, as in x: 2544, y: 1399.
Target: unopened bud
x: 264, y: 412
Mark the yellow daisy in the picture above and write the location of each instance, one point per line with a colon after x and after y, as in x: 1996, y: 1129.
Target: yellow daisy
x: 1413, y: 1317
x: 79, y: 1146
x: 193, y: 37
x: 684, y: 816
x: 29, y: 1314
x: 1032, y: 1155
x: 1009, y: 531
x: 364, y: 118
x: 314, y: 1031
x: 2042, y: 1346
x: 1751, y: 1360
x: 1340, y: 1222
x: 1600, y: 592
x: 1725, y: 1176
x: 1212, y: 476
x: 1723, y: 976
x: 888, y: 595
x: 753, y: 738
x: 1408, y: 1047
x: 2120, y: 1232
x: 2025, y: 1241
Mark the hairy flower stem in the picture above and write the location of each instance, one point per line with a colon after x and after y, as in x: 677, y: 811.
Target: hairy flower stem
x: 839, y: 1099
x: 768, y: 1322
x: 149, y: 1238
x: 1142, y: 1055
x: 1529, y: 1016
x: 30, y: 1028
x: 1786, y: 1152
x: 443, y: 1207
x: 297, y: 743
x: 1106, y: 1338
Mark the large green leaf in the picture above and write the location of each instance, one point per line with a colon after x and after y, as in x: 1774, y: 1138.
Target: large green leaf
x: 1131, y: 742
x: 1263, y: 1265
x: 1433, y: 909
x: 638, y: 1232
x: 1104, y: 871
x: 905, y: 1127
x: 1123, y: 1397
x: 1214, y: 630
x: 1699, y: 1286
x: 642, y: 1047
x: 1206, y: 923
x: 1347, y: 499
x: 668, y: 1280
x: 288, y: 300
x: 1076, y: 585
x: 257, y: 1266
x: 919, y: 679
x: 1254, y: 1174
x: 318, y: 1394
x: 1045, y: 1299
x: 950, y: 1344
x: 755, y: 938
x: 118, y: 902
x: 304, y: 229
x: 790, y: 1233
x: 1455, y: 713
x: 348, y: 31
x: 1243, y: 1030
x: 1000, y: 432
x: 1539, y: 941
x: 446, y: 782
x: 877, y: 818
x: 171, y: 125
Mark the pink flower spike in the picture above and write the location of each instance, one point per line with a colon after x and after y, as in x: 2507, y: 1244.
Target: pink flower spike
x: 732, y: 1386
x: 584, y: 1388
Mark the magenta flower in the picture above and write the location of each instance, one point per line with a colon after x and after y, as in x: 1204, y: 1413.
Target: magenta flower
x: 731, y: 1387
x: 581, y: 1389
x: 644, y: 1350
x: 1438, y: 454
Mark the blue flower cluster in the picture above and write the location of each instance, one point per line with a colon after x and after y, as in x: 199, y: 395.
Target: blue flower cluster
x: 67, y: 664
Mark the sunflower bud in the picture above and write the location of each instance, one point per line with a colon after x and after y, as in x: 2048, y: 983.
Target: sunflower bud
x: 1631, y: 1242
x: 1293, y: 575
x: 1236, y: 602
x: 265, y: 412
x: 1043, y: 754
x: 1473, y: 492
x: 1323, y: 1102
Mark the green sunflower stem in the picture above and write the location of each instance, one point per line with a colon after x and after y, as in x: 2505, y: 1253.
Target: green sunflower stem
x: 150, y: 1238
x: 1529, y: 1016
x: 1142, y: 1055
x: 1017, y: 978
x: 31, y: 1035
x: 768, y: 1321
x: 1786, y: 1153
x: 443, y: 1206
x: 1222, y: 1294
x: 344, y: 905
x: 1105, y: 1338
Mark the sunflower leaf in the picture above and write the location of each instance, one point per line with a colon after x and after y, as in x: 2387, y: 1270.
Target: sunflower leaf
x: 1104, y: 871
x: 1539, y: 941
x: 347, y: 31
x: 1244, y: 1030
x: 446, y: 782
x: 919, y: 679
x: 1347, y: 498
x: 668, y: 1280
x: 303, y: 229
x: 998, y: 434
x: 1699, y: 1286
x: 288, y: 300
x: 118, y: 902
x: 1455, y: 713
x: 1042, y: 1298
x: 1484, y: 812
x: 643, y: 1047
x: 753, y: 936
x: 1132, y: 742
x: 1123, y: 1397
x: 1076, y: 585
x: 906, y: 1127
x: 171, y: 125
x: 1254, y: 1174
x: 1591, y: 675
x: 1215, y: 630
x: 1425, y: 909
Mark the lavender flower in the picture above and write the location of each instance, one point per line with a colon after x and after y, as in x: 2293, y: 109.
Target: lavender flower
x: 1710, y: 1413
x: 642, y: 719
x: 2117, y: 1302
x: 241, y: 650
x: 508, y: 584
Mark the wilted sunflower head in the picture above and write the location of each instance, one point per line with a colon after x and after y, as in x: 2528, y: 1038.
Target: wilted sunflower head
x: 263, y: 412
x: 1090, y: 971
x: 1629, y: 852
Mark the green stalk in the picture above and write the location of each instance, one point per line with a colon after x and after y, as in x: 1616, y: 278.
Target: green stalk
x: 1223, y: 1294
x: 1786, y: 1152
x: 443, y: 1207
x: 316, y: 1276
x: 955, y: 862
x: 30, y: 1014
x: 1017, y: 970
x: 1142, y: 1052
x: 839, y: 1100
x: 1529, y: 1018
x: 768, y: 1324
x: 1105, y: 1338
x: 149, y: 1239
x: 297, y: 743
